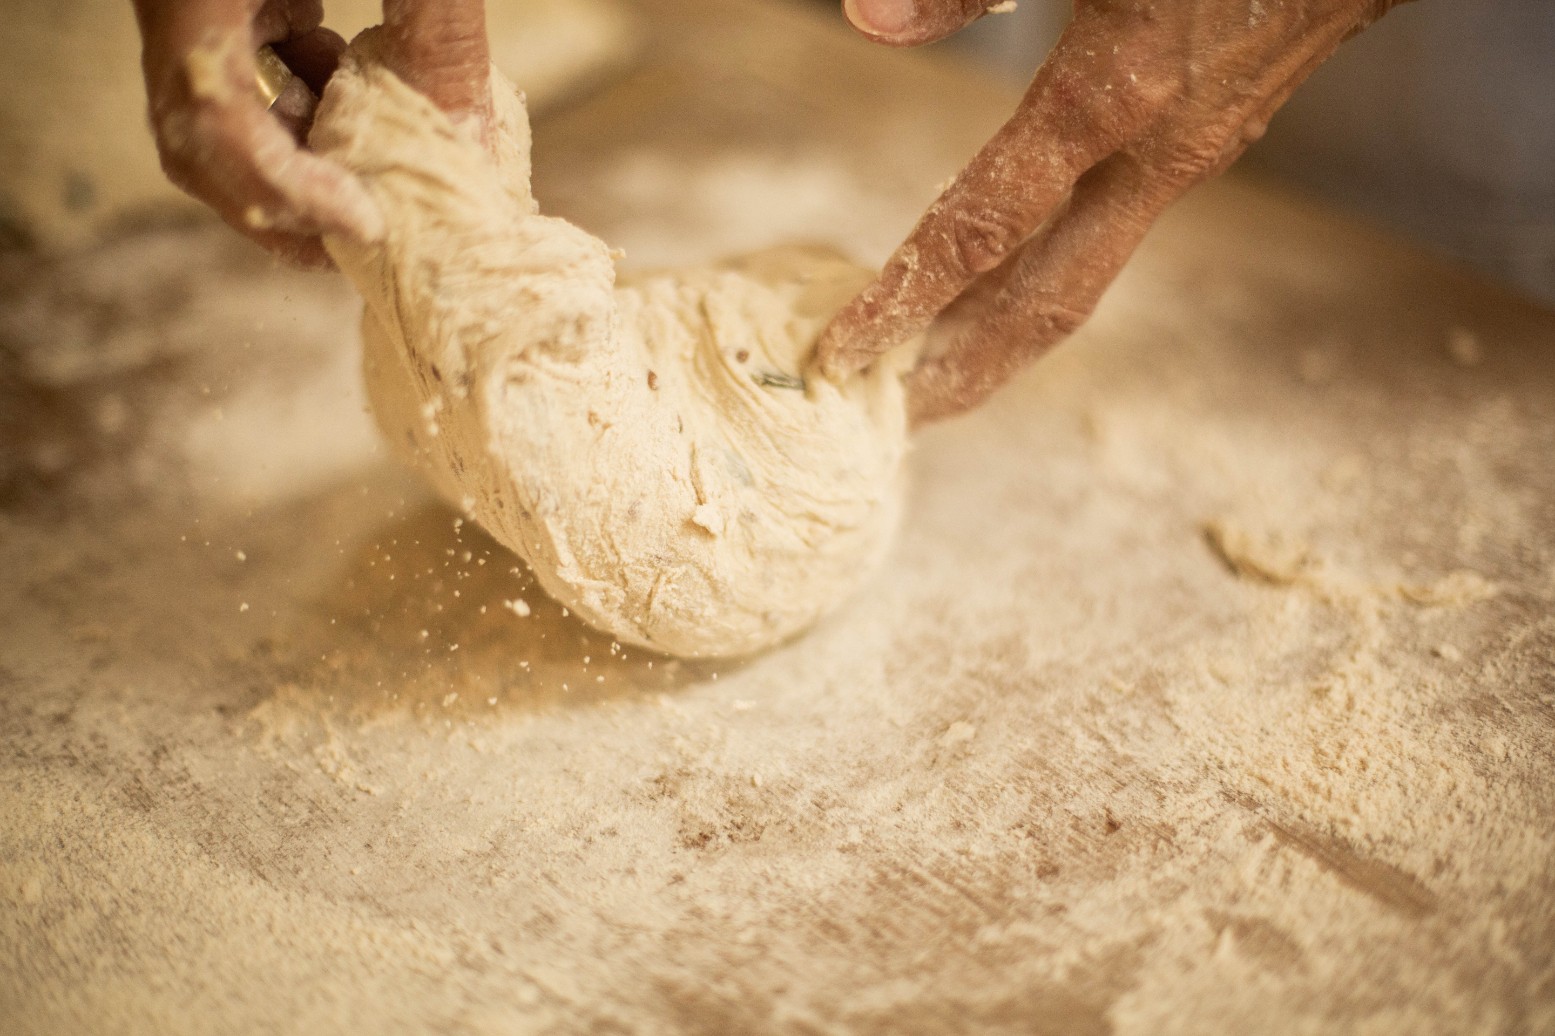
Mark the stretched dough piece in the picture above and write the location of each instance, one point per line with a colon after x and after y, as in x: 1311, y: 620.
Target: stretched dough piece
x: 653, y: 450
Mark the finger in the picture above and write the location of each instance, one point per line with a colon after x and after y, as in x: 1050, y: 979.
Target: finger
x: 294, y: 109
x: 277, y: 20
x: 285, y: 198
x: 249, y: 205
x: 216, y: 139
x: 245, y: 165
x: 439, y: 47
x: 313, y: 57
x: 295, y: 190
x: 1050, y: 287
x: 907, y: 23
x: 1086, y: 102
x: 1047, y: 290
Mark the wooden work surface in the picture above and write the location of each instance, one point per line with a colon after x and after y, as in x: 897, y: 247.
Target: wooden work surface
x: 1211, y: 687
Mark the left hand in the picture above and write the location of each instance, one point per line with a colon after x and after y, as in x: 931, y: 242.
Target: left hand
x: 220, y: 143
x: 1139, y: 101
x: 217, y: 139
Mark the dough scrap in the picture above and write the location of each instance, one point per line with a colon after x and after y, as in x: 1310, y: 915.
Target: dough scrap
x: 653, y: 449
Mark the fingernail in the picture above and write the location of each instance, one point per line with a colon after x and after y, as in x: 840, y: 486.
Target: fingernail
x: 880, y: 17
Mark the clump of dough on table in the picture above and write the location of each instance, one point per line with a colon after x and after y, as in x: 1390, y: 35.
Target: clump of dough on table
x: 653, y: 449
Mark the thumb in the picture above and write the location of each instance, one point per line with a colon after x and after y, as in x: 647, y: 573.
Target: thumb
x: 439, y: 47
x: 907, y: 23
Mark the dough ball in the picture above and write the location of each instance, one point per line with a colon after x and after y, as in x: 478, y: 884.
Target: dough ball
x: 655, y: 450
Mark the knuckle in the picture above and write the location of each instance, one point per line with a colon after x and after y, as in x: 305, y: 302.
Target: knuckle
x: 1155, y: 93
x: 1086, y: 110
x: 1191, y: 160
x: 983, y: 236
x: 1104, y: 112
x: 1145, y: 92
x: 1063, y: 320
x: 1048, y: 319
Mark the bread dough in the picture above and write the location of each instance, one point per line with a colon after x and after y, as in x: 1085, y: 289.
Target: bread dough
x: 654, y: 449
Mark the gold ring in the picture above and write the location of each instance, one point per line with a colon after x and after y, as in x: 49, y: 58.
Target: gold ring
x: 273, y: 76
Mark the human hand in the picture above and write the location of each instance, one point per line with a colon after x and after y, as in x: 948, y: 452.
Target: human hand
x: 1138, y: 101
x: 220, y: 143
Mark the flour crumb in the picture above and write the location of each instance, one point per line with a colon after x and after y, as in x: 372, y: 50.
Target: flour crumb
x: 207, y: 63
x: 1272, y: 558
x: 958, y: 733
x: 709, y: 518
x: 1453, y: 590
x: 519, y: 607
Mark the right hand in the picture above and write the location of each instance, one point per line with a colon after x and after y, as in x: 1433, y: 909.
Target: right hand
x: 1139, y: 101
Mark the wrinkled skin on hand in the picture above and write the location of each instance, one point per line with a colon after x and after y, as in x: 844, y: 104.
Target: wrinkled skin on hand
x: 220, y: 144
x: 1138, y: 101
